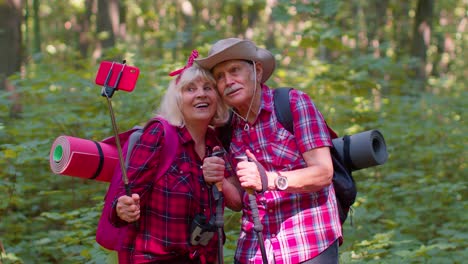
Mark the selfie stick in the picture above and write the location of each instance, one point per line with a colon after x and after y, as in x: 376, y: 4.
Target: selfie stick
x: 258, y: 227
x: 107, y: 91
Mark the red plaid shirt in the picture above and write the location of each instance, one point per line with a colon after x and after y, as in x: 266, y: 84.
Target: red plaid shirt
x: 296, y: 226
x: 168, y: 205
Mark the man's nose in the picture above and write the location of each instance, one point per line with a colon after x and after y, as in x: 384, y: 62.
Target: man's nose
x: 229, y: 79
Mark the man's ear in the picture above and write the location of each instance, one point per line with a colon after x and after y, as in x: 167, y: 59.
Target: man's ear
x: 259, y: 70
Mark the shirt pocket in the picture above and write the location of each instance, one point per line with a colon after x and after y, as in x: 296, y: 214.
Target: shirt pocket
x: 175, y: 180
x: 237, y: 150
x: 282, y: 150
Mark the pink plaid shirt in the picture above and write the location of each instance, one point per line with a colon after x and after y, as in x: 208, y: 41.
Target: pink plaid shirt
x: 296, y: 227
x: 168, y: 205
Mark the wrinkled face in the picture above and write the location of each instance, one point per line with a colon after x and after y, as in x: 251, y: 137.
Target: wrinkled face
x: 198, y: 101
x: 235, y: 82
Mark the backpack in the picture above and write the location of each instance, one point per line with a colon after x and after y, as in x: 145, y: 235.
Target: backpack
x: 343, y: 181
x: 107, y: 235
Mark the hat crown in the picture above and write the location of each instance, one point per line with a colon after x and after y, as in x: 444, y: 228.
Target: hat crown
x: 229, y: 42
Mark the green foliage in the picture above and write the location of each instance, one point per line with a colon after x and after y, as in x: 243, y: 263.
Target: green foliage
x: 57, y: 215
x: 413, y: 206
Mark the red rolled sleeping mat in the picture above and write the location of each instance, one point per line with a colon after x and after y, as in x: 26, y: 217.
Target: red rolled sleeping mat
x: 83, y: 158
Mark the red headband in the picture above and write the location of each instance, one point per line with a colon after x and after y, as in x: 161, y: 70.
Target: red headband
x: 189, y: 64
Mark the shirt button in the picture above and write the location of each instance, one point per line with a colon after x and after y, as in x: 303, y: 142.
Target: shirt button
x: 181, y: 172
x: 271, y: 211
x: 273, y: 235
x: 258, y: 151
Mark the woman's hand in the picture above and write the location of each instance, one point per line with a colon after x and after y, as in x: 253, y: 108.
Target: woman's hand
x: 128, y: 208
x: 213, y: 170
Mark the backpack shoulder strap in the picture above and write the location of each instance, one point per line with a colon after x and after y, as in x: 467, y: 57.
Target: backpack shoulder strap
x: 132, y: 139
x: 225, y: 132
x: 169, y: 150
x: 283, y: 107
x: 283, y: 110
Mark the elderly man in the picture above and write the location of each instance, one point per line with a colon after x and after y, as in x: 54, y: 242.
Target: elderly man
x: 298, y: 209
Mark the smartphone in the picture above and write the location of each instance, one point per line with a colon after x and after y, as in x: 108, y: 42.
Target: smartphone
x: 127, y: 80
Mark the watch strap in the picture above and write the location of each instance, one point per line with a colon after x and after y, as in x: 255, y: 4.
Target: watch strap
x: 263, y: 176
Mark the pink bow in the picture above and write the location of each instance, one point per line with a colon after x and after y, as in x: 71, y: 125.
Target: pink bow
x: 189, y: 64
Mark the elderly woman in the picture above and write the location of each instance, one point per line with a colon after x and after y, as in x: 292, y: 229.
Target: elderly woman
x: 167, y: 209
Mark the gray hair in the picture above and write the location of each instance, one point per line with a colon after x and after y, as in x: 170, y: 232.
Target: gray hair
x: 169, y: 108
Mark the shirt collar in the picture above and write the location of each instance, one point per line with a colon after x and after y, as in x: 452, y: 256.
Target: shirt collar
x: 267, y: 99
x: 266, y: 103
x: 185, y: 137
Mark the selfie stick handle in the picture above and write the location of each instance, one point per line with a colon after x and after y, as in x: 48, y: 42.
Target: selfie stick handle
x: 108, y: 92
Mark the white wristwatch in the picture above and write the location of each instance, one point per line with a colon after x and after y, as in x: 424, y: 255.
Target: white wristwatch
x: 281, y: 182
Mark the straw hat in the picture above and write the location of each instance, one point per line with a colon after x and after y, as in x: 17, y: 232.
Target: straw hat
x: 238, y: 49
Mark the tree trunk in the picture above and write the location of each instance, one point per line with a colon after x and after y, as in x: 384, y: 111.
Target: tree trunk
x: 122, y: 22
x: 188, y: 13
x: 107, y: 25
x: 10, y: 47
x: 36, y: 28
x: 401, y: 32
x: 375, y: 17
x: 421, y: 37
x: 10, y: 39
x: 84, y: 27
x: 270, y: 43
x: 238, y: 15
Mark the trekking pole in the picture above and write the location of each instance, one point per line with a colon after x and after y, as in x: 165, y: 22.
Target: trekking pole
x: 219, y: 222
x: 258, y: 227
x: 108, y: 91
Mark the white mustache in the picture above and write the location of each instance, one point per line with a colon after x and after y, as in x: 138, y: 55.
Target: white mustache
x: 229, y: 90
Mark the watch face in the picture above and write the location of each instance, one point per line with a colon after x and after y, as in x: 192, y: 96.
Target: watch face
x: 281, y: 183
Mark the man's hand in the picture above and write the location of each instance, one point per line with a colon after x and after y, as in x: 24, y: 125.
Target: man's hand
x: 248, y: 174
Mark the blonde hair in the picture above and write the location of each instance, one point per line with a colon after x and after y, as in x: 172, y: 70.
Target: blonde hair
x: 169, y: 108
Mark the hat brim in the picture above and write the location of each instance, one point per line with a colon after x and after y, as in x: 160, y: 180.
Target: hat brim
x: 241, y: 50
